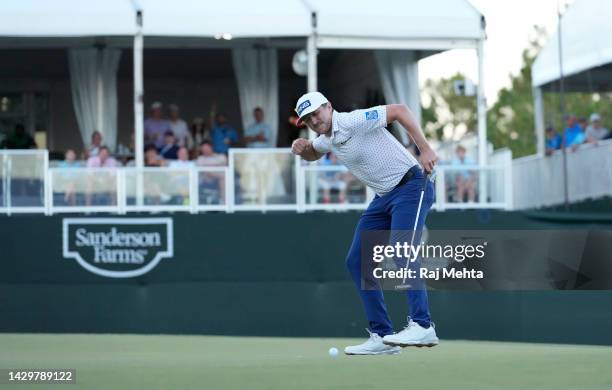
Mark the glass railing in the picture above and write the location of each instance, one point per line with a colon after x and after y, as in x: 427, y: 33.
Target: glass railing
x: 22, y: 181
x: 254, y: 180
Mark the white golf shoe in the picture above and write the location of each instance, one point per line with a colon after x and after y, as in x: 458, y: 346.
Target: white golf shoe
x: 413, y: 335
x: 373, y: 346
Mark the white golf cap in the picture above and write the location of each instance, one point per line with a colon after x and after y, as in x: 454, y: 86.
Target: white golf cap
x: 595, y: 117
x: 309, y: 102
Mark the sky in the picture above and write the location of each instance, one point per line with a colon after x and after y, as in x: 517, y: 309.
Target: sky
x: 509, y: 26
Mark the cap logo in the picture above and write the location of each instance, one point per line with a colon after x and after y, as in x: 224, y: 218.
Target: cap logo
x: 305, y: 104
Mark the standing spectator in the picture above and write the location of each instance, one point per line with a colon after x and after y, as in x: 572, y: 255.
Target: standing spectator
x: 178, y: 126
x: 596, y: 132
x: 199, y: 133
x: 257, y: 135
x: 156, y: 126
x: 169, y: 151
x: 465, y: 180
x: 102, y: 160
x: 96, y: 144
x: 553, y: 140
x: 573, y: 135
x: 223, y: 136
x: 19, y: 139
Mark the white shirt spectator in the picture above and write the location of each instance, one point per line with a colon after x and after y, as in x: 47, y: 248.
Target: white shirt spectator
x: 215, y: 160
x: 370, y: 152
x: 181, y: 132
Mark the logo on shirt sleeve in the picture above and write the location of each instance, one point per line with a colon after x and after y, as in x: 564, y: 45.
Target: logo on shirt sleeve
x: 371, y: 115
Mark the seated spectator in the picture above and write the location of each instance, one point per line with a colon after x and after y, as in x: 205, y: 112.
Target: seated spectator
x: 465, y: 180
x: 19, y: 139
x: 209, y: 158
x: 332, y: 180
x: 69, y: 179
x: 169, y: 150
x: 223, y: 136
x: 257, y: 135
x: 553, y: 140
x: 573, y: 134
x: 96, y: 144
x: 70, y: 160
x: 211, y: 184
x: 152, y: 157
x: 156, y: 126
x: 178, y: 126
x: 183, y: 159
x: 102, y: 160
x: 596, y: 132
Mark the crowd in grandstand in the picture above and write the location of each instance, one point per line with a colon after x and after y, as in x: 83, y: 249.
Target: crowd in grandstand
x: 577, y: 132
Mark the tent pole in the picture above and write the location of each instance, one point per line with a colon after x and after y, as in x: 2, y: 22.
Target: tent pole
x: 482, y: 124
x: 138, y: 93
x: 138, y: 106
x: 538, y: 105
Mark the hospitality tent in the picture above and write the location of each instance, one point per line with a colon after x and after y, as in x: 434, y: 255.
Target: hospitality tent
x: 402, y: 32
x: 586, y: 56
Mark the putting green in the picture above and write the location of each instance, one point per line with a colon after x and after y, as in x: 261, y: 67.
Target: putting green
x: 118, y: 362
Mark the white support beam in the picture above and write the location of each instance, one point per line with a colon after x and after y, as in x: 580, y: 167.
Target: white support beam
x: 538, y: 109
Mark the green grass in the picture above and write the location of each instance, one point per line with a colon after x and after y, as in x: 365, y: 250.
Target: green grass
x: 118, y: 362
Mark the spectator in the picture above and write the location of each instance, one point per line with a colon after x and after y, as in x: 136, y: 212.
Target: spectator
x: 223, y: 136
x: 465, y: 180
x: 69, y: 178
x: 332, y: 180
x: 209, y: 158
x: 199, y: 133
x: 573, y: 133
x: 156, y: 126
x: 553, y: 140
x: 169, y: 151
x: 70, y: 160
x: 96, y: 144
x: 19, y: 139
x: 211, y: 184
x: 183, y: 159
x: 102, y: 160
x: 178, y: 126
x: 596, y: 132
x: 257, y: 135
x: 152, y: 158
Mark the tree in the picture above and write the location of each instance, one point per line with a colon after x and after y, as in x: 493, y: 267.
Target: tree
x: 447, y: 115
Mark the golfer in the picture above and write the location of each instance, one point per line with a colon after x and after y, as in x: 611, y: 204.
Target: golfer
x: 362, y: 143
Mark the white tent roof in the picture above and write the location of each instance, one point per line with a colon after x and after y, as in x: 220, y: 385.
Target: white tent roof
x: 350, y: 19
x: 586, y: 42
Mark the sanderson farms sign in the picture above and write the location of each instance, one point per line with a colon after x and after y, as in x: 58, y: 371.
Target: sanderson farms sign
x: 118, y: 247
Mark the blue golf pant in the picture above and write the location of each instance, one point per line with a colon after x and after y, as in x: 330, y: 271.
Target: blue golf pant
x: 395, y: 211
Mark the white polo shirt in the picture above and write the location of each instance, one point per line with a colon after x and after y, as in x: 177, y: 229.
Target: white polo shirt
x: 369, y: 151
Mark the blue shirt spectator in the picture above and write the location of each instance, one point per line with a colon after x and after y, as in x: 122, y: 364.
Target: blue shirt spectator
x: 223, y: 136
x: 258, y: 134
x: 574, y: 135
x: 553, y: 140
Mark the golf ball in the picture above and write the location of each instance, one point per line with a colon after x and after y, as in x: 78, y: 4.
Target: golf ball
x: 333, y: 352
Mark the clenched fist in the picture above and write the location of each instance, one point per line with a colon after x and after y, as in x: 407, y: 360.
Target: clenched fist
x: 299, y: 146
